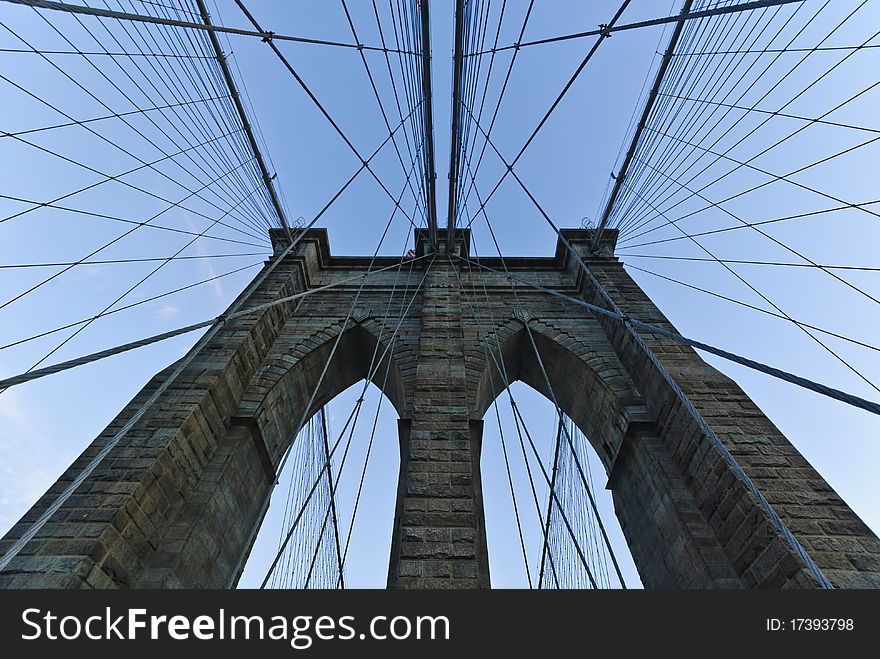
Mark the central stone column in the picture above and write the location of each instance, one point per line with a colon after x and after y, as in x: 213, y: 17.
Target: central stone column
x: 439, y: 530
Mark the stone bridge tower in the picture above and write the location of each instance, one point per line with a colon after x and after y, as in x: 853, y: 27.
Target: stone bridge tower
x: 178, y: 500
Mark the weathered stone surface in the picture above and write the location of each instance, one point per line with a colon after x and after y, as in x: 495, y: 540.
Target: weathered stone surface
x: 177, y: 502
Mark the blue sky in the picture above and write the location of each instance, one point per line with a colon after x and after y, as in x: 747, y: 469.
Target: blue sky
x: 45, y: 424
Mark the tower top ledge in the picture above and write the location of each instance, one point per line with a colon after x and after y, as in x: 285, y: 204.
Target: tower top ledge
x: 580, y: 239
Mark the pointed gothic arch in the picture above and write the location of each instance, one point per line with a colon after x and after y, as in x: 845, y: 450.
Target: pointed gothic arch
x: 277, y: 396
x: 670, y: 539
x: 170, y: 493
x: 587, y: 379
x: 360, y: 423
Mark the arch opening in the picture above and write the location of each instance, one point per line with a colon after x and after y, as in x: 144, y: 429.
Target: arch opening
x: 589, y: 384
x: 593, y: 395
x: 342, y: 393
x: 515, y: 531
x: 364, y: 468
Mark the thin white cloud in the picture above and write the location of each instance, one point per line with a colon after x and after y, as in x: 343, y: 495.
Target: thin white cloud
x: 167, y: 311
x: 206, y: 264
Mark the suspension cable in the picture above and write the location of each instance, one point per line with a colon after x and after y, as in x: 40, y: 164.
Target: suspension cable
x: 125, y: 16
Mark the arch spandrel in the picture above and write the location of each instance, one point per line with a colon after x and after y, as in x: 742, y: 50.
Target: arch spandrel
x: 278, y: 393
x: 593, y: 389
x: 588, y: 380
x: 226, y: 421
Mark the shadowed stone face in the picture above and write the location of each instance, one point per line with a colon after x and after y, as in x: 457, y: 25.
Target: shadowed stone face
x: 177, y: 502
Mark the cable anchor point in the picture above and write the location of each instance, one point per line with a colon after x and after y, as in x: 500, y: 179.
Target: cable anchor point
x: 268, y: 36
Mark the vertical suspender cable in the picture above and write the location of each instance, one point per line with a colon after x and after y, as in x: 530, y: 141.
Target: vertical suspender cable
x: 332, y: 489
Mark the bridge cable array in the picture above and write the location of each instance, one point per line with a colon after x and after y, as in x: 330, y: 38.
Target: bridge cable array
x: 157, y: 139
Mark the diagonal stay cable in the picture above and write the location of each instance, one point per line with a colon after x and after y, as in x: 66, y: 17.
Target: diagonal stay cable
x: 323, y: 110
x: 674, y: 158
x: 550, y: 110
x: 34, y: 374
x: 640, y: 126
x: 606, y: 30
x: 787, y: 178
x: 333, y: 451
x: 384, y: 113
x: 98, y: 250
x: 115, y: 115
x: 124, y: 16
x: 169, y: 74
x: 502, y: 370
x: 128, y: 291
x: 784, y: 264
x: 118, y: 178
x: 560, y: 414
x: 754, y: 307
x: 109, y: 177
x: 99, y: 53
x: 147, y: 300
x: 737, y: 227
x: 187, y: 153
x: 148, y: 259
x: 215, y: 74
x: 775, y: 113
x: 138, y: 225
x: 764, y: 122
x: 589, y: 273
x: 765, y: 95
x: 214, y: 326
x: 115, y: 218
x: 252, y: 140
x: 813, y: 49
x: 704, y: 126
